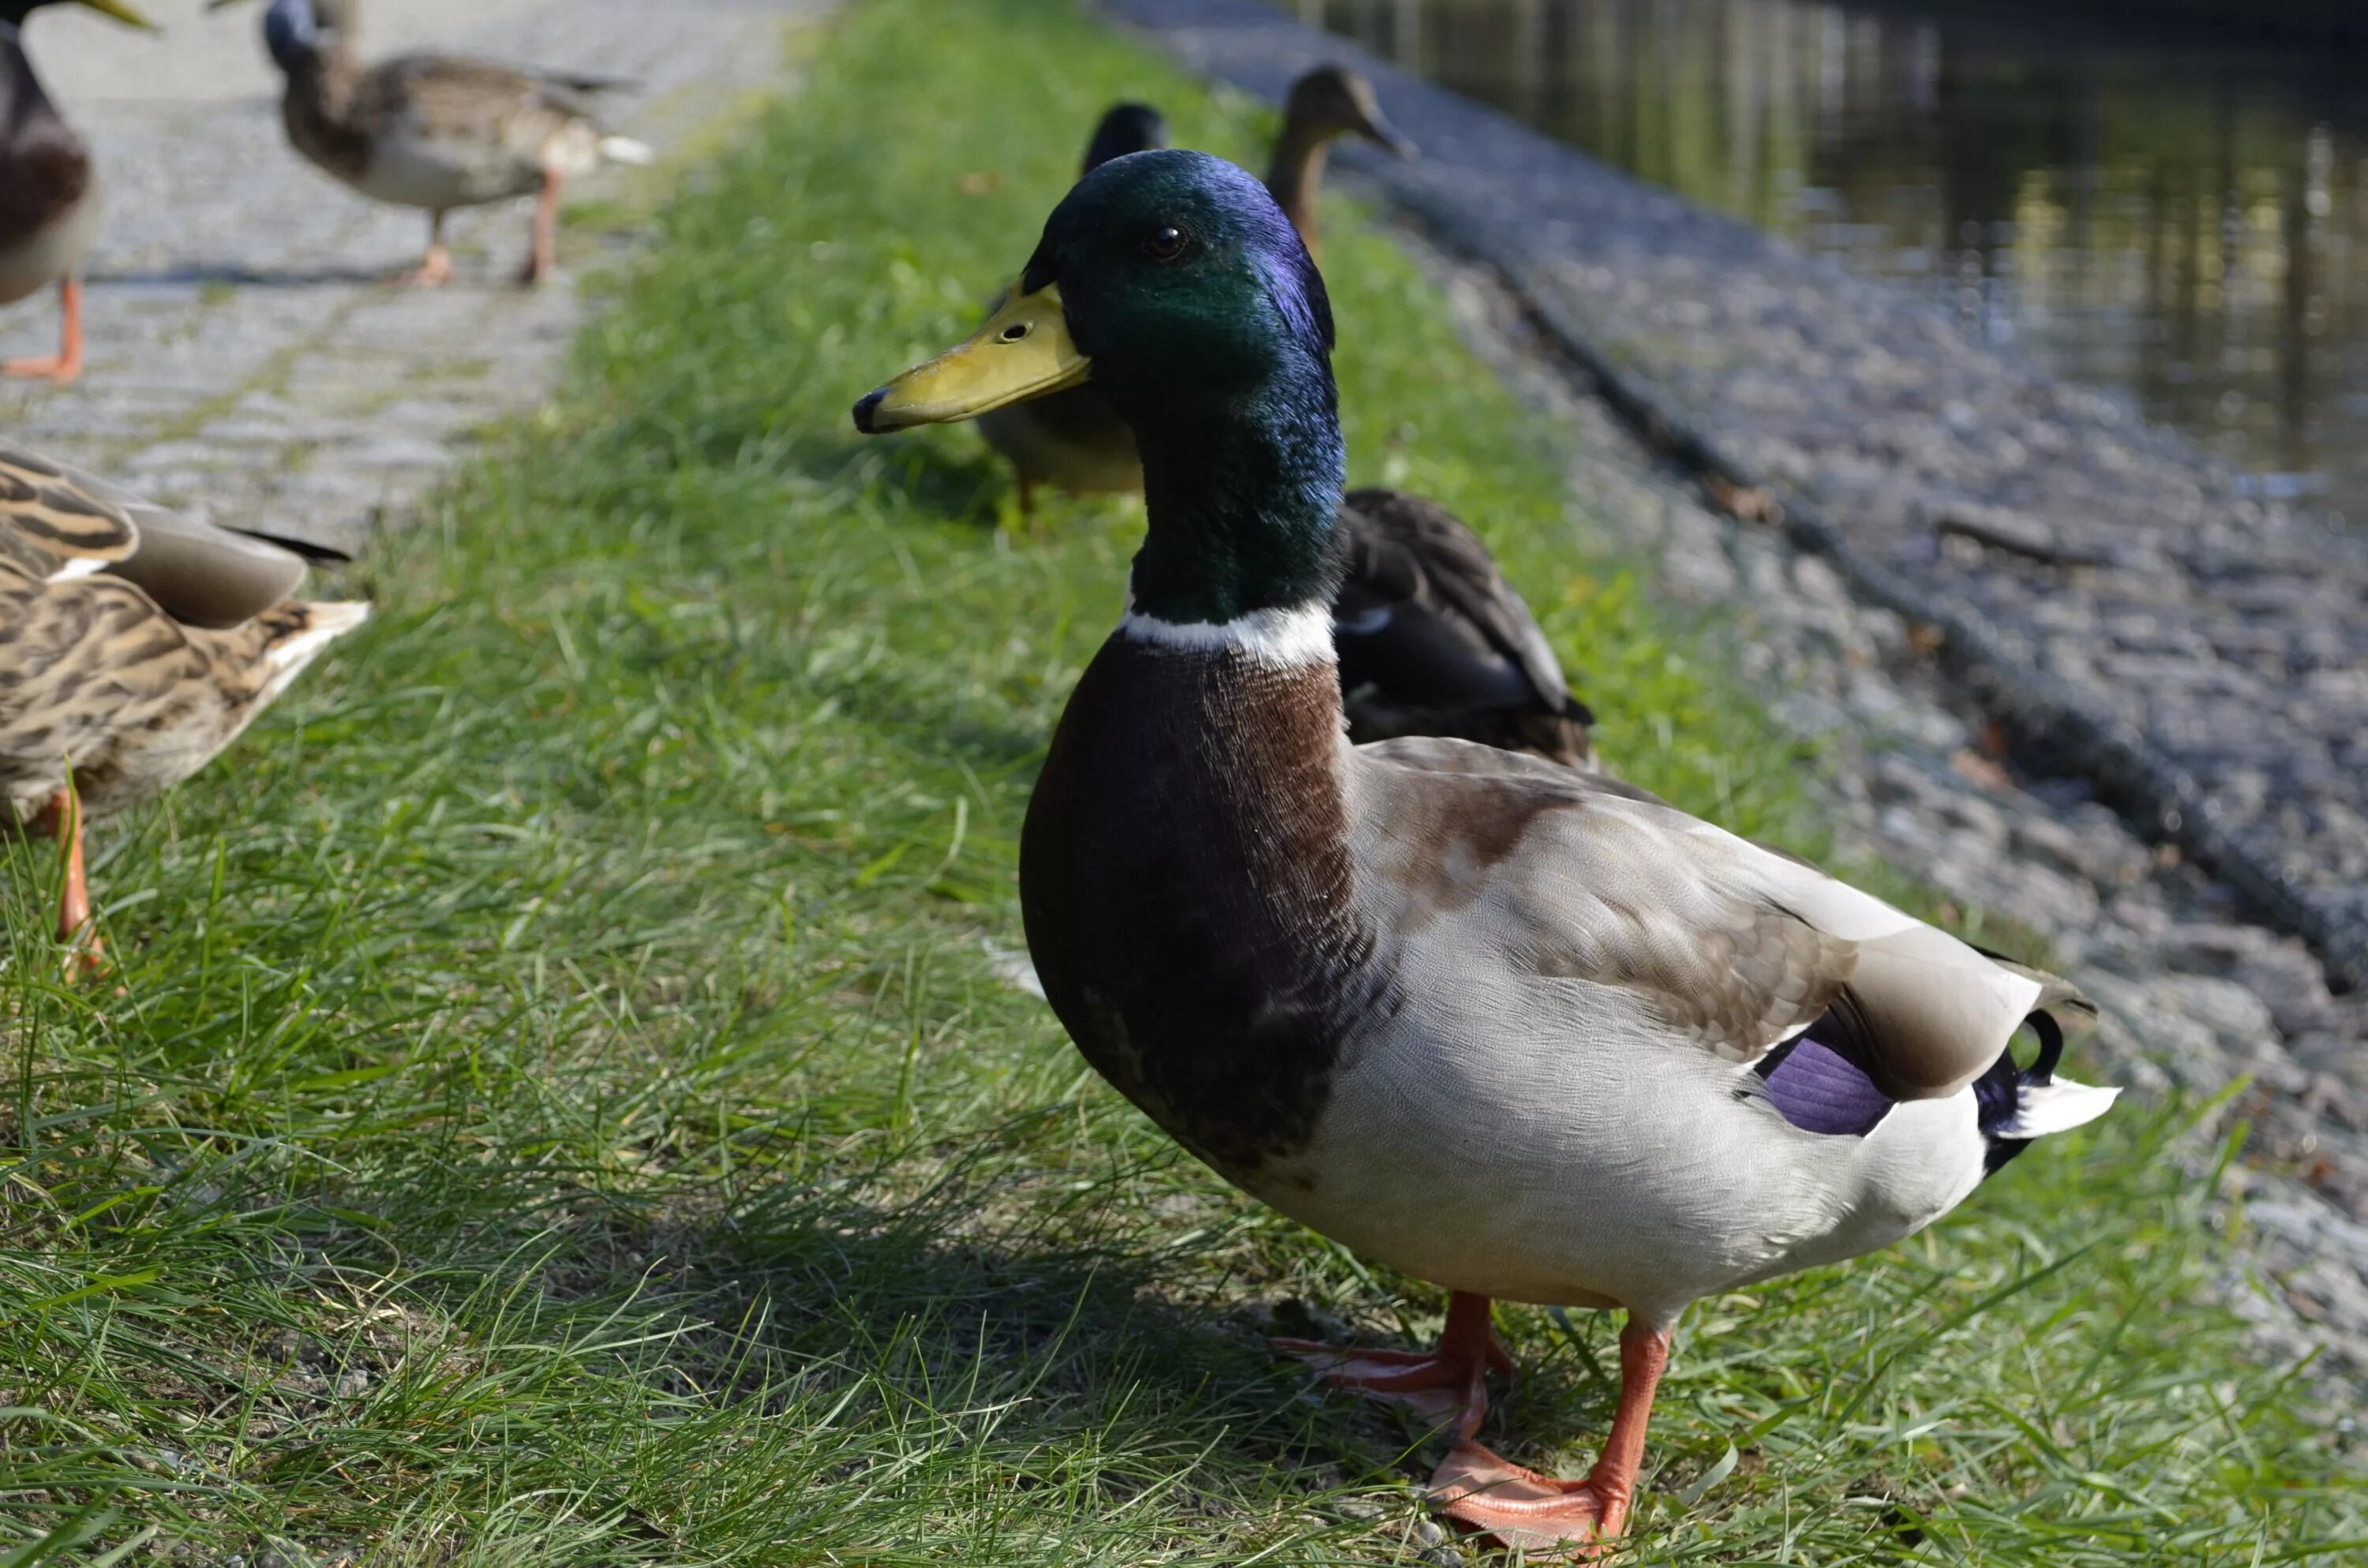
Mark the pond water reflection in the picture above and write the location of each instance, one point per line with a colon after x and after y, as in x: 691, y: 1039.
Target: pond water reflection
x: 2180, y: 222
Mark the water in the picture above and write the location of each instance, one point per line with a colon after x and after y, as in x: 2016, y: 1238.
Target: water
x: 2179, y: 222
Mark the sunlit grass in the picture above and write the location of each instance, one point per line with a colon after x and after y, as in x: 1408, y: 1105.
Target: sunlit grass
x: 560, y: 1107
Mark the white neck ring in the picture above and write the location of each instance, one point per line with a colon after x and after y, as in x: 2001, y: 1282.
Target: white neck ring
x: 1290, y: 638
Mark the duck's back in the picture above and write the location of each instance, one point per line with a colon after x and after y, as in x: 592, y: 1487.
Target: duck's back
x: 1434, y: 641
x: 1600, y: 996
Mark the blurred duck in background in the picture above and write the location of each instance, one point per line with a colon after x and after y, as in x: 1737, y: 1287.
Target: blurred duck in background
x: 49, y: 192
x: 436, y: 131
x: 1327, y: 103
x: 140, y: 642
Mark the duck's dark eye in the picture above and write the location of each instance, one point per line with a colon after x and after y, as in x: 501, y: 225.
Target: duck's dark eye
x: 1014, y: 332
x: 1166, y: 242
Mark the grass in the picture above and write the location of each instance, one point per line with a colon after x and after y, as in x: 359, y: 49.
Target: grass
x: 560, y: 1107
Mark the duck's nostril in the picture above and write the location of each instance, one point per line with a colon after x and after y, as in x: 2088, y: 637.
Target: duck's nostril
x: 1015, y: 332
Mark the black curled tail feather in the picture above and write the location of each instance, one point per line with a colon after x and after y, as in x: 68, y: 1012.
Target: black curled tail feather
x: 2000, y: 1093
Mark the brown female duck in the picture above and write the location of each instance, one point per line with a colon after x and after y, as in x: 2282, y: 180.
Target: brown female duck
x: 49, y: 192
x: 435, y: 130
x: 138, y: 642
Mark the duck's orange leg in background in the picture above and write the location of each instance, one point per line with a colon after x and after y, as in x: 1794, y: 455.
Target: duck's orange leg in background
x: 66, y: 363
x: 435, y: 269
x: 542, y: 261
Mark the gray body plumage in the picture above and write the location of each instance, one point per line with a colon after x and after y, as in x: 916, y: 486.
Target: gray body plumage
x: 1507, y: 1017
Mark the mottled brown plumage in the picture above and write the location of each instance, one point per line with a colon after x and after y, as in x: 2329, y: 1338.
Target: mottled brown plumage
x: 1434, y: 641
x: 435, y: 131
x: 107, y: 697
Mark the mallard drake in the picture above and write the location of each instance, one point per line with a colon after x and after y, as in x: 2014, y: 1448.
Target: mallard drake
x: 49, y: 192
x: 1073, y: 441
x: 1523, y: 1032
x: 1432, y: 639
x: 437, y: 131
x: 140, y: 642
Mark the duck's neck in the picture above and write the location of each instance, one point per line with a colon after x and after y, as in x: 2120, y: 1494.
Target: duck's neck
x: 312, y: 45
x: 1296, y: 174
x: 1241, y: 498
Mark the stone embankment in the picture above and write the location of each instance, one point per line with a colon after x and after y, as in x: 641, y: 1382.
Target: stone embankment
x: 2064, y: 669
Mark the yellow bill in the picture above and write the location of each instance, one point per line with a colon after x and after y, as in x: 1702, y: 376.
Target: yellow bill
x: 121, y: 12
x: 1023, y: 351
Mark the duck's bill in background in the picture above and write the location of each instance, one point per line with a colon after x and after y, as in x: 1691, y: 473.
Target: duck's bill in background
x: 121, y: 12
x: 1378, y: 130
x: 1023, y: 351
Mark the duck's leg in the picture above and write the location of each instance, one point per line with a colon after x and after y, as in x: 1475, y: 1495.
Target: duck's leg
x: 542, y: 259
x: 66, y: 363
x: 62, y: 818
x: 1441, y: 1385
x: 435, y: 269
x: 1537, y: 1512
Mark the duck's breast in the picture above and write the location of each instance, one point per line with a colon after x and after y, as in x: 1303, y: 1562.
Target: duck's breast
x: 49, y: 211
x: 1183, y: 878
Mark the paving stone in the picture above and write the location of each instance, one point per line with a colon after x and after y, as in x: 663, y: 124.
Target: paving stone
x: 250, y: 358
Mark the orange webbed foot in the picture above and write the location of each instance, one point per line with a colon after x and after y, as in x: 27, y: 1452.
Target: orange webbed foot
x: 1441, y: 1385
x: 56, y: 368
x: 432, y: 273
x: 1430, y: 1385
x: 1546, y: 1517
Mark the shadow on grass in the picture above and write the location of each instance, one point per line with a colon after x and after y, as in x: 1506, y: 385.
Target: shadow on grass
x: 239, y: 276
x: 842, y: 1327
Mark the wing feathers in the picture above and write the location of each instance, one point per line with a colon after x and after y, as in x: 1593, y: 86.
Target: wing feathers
x: 58, y: 523
x: 54, y: 519
x: 1720, y: 942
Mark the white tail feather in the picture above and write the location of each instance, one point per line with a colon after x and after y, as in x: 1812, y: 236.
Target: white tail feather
x: 625, y: 150
x: 328, y: 621
x: 2059, y: 1107
x: 80, y: 566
